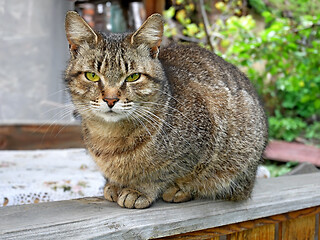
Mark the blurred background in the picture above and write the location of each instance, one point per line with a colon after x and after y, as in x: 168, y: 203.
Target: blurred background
x: 35, y: 108
x: 275, y: 42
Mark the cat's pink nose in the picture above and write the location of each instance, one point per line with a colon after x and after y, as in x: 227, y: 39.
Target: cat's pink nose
x: 111, y: 101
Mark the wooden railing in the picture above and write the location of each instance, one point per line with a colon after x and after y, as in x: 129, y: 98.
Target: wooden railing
x: 280, y: 208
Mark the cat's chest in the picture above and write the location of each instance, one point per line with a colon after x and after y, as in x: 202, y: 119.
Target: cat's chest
x: 121, y: 162
x: 118, y: 156
x: 112, y: 142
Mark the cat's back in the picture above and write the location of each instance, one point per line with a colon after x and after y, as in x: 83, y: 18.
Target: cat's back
x: 201, y: 80
x: 189, y: 63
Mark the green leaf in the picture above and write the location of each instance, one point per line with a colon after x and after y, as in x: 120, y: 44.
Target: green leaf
x: 267, y: 16
x: 168, y: 14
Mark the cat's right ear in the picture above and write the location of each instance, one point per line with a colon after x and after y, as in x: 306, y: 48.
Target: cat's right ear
x: 78, y: 31
x: 150, y: 34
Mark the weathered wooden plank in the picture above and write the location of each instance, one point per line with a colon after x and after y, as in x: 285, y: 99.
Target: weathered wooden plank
x: 263, y: 232
x: 266, y: 232
x: 299, y: 228
x: 199, y: 235
x: 290, y: 151
x: 313, y: 211
x: 318, y: 226
x: 248, y: 225
x: 47, y: 175
x: 28, y: 137
x: 96, y: 218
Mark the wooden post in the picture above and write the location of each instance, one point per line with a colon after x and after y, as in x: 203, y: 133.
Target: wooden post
x: 154, y: 6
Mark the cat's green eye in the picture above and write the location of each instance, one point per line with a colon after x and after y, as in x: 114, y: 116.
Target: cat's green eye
x: 92, y: 76
x: 133, y: 77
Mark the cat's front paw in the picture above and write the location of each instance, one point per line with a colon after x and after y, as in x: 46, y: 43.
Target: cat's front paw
x: 111, y: 192
x: 175, y: 195
x: 130, y: 198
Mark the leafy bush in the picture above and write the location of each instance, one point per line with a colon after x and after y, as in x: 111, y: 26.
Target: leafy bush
x: 277, y: 169
x: 285, y: 128
x: 313, y: 131
x: 291, y: 65
x: 281, y: 58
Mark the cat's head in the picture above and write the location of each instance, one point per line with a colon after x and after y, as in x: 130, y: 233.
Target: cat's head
x: 117, y: 76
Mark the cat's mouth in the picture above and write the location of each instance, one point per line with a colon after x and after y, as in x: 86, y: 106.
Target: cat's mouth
x: 112, y: 114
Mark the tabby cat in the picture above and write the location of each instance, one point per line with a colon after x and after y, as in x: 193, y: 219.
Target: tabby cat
x: 179, y: 122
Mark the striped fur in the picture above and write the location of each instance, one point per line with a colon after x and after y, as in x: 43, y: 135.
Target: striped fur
x: 190, y: 127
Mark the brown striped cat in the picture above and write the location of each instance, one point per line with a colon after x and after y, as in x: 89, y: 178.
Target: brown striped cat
x: 179, y: 122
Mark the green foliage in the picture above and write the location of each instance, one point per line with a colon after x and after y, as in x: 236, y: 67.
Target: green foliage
x: 285, y: 128
x: 258, y: 5
x: 291, y: 63
x: 281, y: 58
x: 291, y: 56
x: 278, y: 169
x: 313, y: 131
x: 296, y: 8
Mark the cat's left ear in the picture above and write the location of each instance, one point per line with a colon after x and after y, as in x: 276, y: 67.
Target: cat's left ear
x: 78, y: 31
x: 150, y: 33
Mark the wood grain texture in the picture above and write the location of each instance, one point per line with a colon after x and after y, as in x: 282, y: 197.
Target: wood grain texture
x: 248, y: 225
x: 298, y: 229
x: 28, y: 137
x: 96, y: 218
x: 318, y: 226
x: 266, y: 232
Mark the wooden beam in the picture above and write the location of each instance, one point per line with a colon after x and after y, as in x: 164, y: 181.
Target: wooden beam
x: 300, y: 228
x: 29, y: 137
x: 290, y: 151
x: 99, y: 219
x: 268, y: 222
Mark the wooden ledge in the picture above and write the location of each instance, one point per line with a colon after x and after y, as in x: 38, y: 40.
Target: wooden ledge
x: 292, y: 151
x: 99, y: 219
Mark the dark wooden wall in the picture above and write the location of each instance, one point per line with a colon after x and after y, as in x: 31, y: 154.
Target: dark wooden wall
x: 29, y: 137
